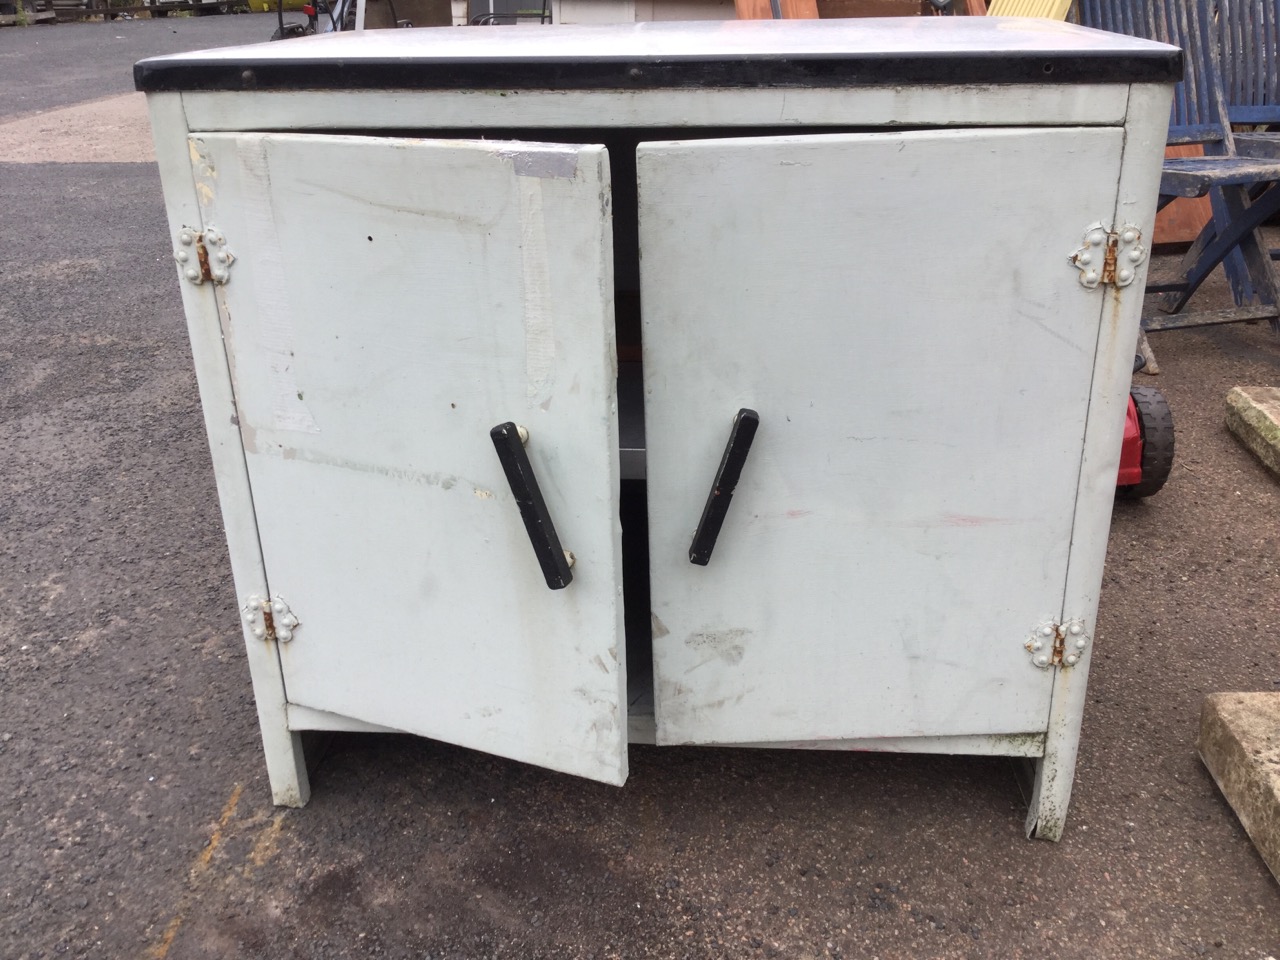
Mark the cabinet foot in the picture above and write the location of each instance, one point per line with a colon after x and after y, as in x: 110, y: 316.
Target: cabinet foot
x: 1050, y: 796
x: 286, y: 767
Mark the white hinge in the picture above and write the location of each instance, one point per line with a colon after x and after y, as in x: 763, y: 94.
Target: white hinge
x: 269, y: 619
x: 1054, y: 644
x: 203, y: 255
x: 1109, y: 256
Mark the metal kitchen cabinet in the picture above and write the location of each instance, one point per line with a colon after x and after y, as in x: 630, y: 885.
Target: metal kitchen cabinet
x: 910, y: 251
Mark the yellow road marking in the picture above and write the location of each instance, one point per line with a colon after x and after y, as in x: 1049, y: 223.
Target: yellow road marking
x: 228, y: 812
x: 161, y: 948
x: 264, y: 847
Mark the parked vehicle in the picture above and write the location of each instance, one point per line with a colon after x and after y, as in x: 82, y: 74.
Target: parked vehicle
x: 162, y: 8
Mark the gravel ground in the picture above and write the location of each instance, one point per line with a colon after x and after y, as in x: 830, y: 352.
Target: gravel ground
x: 136, y: 818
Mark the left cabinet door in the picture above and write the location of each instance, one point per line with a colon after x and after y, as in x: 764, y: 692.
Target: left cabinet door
x: 389, y: 302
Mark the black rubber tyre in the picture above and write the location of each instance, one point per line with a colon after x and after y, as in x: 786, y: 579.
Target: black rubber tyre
x: 1156, y: 422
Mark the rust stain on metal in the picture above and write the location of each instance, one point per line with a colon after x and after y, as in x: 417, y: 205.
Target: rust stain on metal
x: 1059, y: 634
x: 1059, y: 645
x: 202, y: 254
x: 1109, y: 261
x: 269, y: 620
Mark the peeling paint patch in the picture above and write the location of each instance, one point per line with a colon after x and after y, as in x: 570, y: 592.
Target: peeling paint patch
x: 716, y: 639
x: 723, y: 645
x: 483, y: 494
x: 543, y: 163
x: 248, y: 435
x: 535, y: 275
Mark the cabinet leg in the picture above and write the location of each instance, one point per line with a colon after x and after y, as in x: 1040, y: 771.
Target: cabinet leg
x: 286, y: 766
x: 1054, y: 776
x: 1050, y: 795
x: 1055, y: 771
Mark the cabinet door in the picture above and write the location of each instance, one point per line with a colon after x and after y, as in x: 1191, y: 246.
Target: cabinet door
x: 391, y: 301
x: 900, y: 311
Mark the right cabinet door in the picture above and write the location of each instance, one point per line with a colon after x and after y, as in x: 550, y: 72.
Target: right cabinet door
x: 900, y: 310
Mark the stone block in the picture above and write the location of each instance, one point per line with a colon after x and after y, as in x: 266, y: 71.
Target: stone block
x: 1240, y: 744
x: 1253, y: 415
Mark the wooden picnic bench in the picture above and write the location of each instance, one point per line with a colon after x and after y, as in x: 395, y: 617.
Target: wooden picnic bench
x: 1249, y: 60
x: 1242, y: 188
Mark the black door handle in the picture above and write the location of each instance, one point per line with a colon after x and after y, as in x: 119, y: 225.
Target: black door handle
x: 713, y: 514
x: 554, y: 560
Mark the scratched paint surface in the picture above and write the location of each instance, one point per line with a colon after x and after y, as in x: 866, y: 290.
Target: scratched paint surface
x: 391, y: 301
x: 900, y: 311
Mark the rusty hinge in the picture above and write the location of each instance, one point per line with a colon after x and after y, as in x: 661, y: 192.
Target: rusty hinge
x: 212, y: 258
x: 1109, y: 256
x: 1057, y: 644
x: 269, y: 619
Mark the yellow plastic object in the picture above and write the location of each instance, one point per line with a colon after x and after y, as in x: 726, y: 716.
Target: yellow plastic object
x: 1051, y: 9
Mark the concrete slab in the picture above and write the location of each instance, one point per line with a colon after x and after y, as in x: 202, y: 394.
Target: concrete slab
x: 1253, y: 415
x: 1240, y: 744
x: 110, y: 130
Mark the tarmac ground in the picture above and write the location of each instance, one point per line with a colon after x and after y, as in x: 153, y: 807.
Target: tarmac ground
x: 135, y: 816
